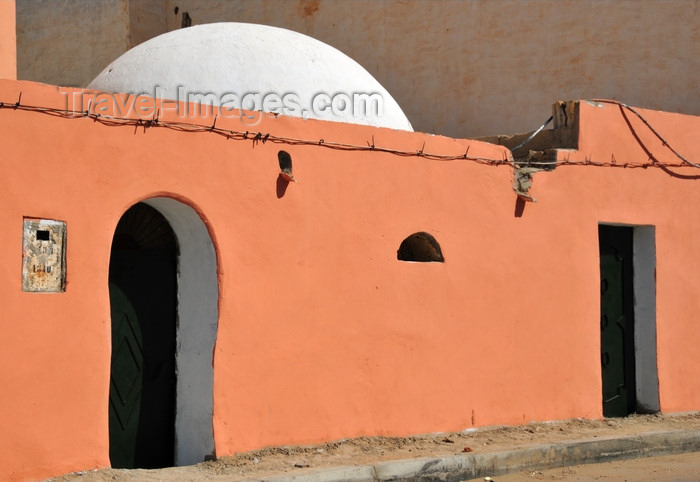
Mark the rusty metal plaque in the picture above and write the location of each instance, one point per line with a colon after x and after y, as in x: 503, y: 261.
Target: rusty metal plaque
x: 44, y: 255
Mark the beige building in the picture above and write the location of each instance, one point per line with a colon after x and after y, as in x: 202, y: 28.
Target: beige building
x: 458, y: 68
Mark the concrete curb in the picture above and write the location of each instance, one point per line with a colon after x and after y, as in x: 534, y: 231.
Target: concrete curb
x: 470, y: 466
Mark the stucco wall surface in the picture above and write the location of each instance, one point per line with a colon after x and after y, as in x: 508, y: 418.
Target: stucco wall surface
x: 322, y: 333
x: 458, y: 68
x: 68, y: 42
x: 8, y: 43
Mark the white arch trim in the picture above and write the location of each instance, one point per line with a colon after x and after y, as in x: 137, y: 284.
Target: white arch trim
x: 198, y: 314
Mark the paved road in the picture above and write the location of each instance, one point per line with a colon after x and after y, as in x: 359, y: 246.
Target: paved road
x: 682, y: 467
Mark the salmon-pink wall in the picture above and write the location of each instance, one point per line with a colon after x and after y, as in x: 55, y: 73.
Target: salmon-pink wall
x: 8, y: 40
x: 665, y: 200
x: 323, y: 334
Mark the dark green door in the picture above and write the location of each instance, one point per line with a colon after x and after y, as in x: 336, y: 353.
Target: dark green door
x: 125, y: 380
x: 617, y: 320
x: 143, y: 291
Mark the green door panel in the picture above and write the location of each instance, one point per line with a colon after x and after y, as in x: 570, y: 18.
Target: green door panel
x: 125, y: 379
x: 616, y: 321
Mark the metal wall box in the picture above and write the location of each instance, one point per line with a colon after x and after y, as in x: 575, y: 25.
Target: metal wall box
x: 44, y: 255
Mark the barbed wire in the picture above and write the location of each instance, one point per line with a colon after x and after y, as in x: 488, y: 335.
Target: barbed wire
x: 260, y: 137
x: 651, y: 128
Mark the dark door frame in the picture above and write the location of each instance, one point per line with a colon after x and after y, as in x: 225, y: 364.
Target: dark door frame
x: 642, y: 342
x: 143, y: 297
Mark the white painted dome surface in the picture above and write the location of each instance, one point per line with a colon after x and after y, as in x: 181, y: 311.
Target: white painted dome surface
x: 255, y: 65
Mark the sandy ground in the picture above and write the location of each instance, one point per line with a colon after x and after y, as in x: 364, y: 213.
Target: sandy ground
x: 295, y: 460
x: 668, y: 468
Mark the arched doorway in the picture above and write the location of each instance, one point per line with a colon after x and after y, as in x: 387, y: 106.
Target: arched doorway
x: 143, y: 297
x: 181, y: 284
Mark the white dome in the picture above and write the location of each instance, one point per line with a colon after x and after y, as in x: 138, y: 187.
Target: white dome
x: 265, y: 68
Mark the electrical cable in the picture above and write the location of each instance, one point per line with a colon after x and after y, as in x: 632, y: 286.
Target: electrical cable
x: 663, y: 141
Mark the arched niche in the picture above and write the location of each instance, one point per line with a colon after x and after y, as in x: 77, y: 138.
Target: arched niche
x: 420, y: 247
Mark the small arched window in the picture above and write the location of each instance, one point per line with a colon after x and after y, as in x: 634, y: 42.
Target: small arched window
x: 421, y: 247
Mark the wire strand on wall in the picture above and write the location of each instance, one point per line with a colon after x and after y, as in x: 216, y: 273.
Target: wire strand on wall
x: 259, y: 137
x: 651, y: 128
